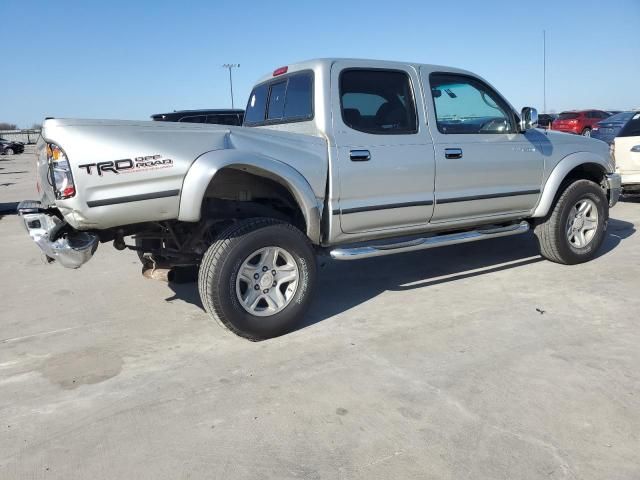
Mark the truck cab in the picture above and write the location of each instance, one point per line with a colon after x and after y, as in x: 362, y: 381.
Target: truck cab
x: 390, y: 126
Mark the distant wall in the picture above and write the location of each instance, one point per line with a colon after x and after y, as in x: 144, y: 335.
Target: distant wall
x: 26, y: 136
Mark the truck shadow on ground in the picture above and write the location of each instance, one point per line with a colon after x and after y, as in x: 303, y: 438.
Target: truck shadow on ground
x: 344, y: 285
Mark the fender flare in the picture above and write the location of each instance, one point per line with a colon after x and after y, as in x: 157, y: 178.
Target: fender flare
x: 205, y: 167
x: 560, y: 172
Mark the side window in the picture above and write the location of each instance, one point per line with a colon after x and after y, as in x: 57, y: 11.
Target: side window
x: 464, y: 105
x: 378, y: 101
x: 193, y: 119
x: 632, y: 128
x: 257, y: 105
x: 276, y: 100
x: 283, y: 100
x: 298, y: 102
x: 223, y: 119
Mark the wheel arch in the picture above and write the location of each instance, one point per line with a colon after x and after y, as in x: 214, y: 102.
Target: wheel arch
x: 580, y: 165
x: 210, y: 166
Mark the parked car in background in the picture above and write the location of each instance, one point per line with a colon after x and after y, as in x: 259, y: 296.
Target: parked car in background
x: 606, y: 130
x: 580, y: 122
x: 216, y: 116
x: 614, y: 112
x: 626, y: 151
x: 7, y: 147
x: 545, y: 120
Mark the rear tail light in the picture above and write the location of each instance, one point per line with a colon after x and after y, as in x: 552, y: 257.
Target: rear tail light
x: 61, y: 177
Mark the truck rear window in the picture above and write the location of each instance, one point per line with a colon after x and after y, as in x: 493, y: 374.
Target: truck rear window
x: 281, y: 100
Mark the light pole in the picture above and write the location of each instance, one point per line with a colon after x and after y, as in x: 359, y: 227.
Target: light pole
x: 544, y: 71
x: 231, y: 66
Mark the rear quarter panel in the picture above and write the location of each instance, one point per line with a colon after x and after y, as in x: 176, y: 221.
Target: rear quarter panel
x: 100, y: 195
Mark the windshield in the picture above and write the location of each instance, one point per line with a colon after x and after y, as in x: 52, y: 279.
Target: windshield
x: 567, y: 116
x: 623, y: 117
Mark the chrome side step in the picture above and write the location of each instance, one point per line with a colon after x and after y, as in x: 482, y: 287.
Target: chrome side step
x: 356, y: 253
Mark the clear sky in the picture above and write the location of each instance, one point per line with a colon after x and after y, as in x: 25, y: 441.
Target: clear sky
x: 129, y: 59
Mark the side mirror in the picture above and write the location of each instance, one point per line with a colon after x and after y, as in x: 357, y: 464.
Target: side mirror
x: 528, y: 118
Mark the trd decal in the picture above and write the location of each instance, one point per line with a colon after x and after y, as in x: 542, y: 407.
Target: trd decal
x: 128, y: 165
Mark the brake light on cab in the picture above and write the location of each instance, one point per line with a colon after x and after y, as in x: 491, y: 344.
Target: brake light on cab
x: 280, y: 71
x: 60, y: 172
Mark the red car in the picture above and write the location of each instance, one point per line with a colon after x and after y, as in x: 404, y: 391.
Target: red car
x: 579, y: 122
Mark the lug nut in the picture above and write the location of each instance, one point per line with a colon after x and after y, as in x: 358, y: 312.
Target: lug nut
x: 273, y: 272
x: 266, y: 290
x: 257, y: 287
x: 274, y: 284
x: 256, y: 276
x: 265, y: 268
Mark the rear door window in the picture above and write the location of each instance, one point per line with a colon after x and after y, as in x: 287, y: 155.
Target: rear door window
x: 568, y: 116
x: 378, y: 101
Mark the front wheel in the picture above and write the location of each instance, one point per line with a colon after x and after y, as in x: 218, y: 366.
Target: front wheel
x: 9, y: 151
x: 257, y: 278
x: 575, y: 229
x: 586, y: 132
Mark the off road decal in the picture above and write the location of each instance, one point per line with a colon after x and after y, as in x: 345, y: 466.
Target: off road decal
x: 128, y: 165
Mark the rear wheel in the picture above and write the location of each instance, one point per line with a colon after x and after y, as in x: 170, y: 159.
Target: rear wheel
x: 575, y: 229
x: 257, y: 278
x: 9, y: 151
x: 586, y: 132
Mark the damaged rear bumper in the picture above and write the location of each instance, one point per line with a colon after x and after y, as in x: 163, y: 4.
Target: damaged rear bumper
x: 58, y: 241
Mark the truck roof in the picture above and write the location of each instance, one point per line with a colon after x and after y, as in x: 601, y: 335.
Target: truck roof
x: 326, y: 63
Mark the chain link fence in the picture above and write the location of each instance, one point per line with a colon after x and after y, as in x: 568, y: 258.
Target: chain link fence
x: 26, y: 136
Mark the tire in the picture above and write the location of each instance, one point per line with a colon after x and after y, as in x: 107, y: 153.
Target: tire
x: 9, y: 151
x: 245, y: 246
x: 586, y: 132
x: 558, y: 234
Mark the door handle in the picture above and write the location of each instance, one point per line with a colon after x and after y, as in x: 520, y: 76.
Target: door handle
x: 360, y: 155
x: 635, y: 149
x: 452, y: 153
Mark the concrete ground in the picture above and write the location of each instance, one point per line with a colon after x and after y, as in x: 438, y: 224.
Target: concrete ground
x: 479, y: 361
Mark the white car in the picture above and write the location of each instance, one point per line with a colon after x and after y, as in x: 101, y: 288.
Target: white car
x: 627, y: 154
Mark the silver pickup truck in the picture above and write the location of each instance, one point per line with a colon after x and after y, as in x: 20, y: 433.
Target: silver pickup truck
x: 350, y: 158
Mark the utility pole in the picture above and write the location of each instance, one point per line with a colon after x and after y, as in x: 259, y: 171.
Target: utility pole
x: 544, y: 71
x: 231, y: 66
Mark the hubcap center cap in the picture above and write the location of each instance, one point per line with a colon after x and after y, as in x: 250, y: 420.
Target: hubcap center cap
x: 578, y: 223
x: 266, y: 280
